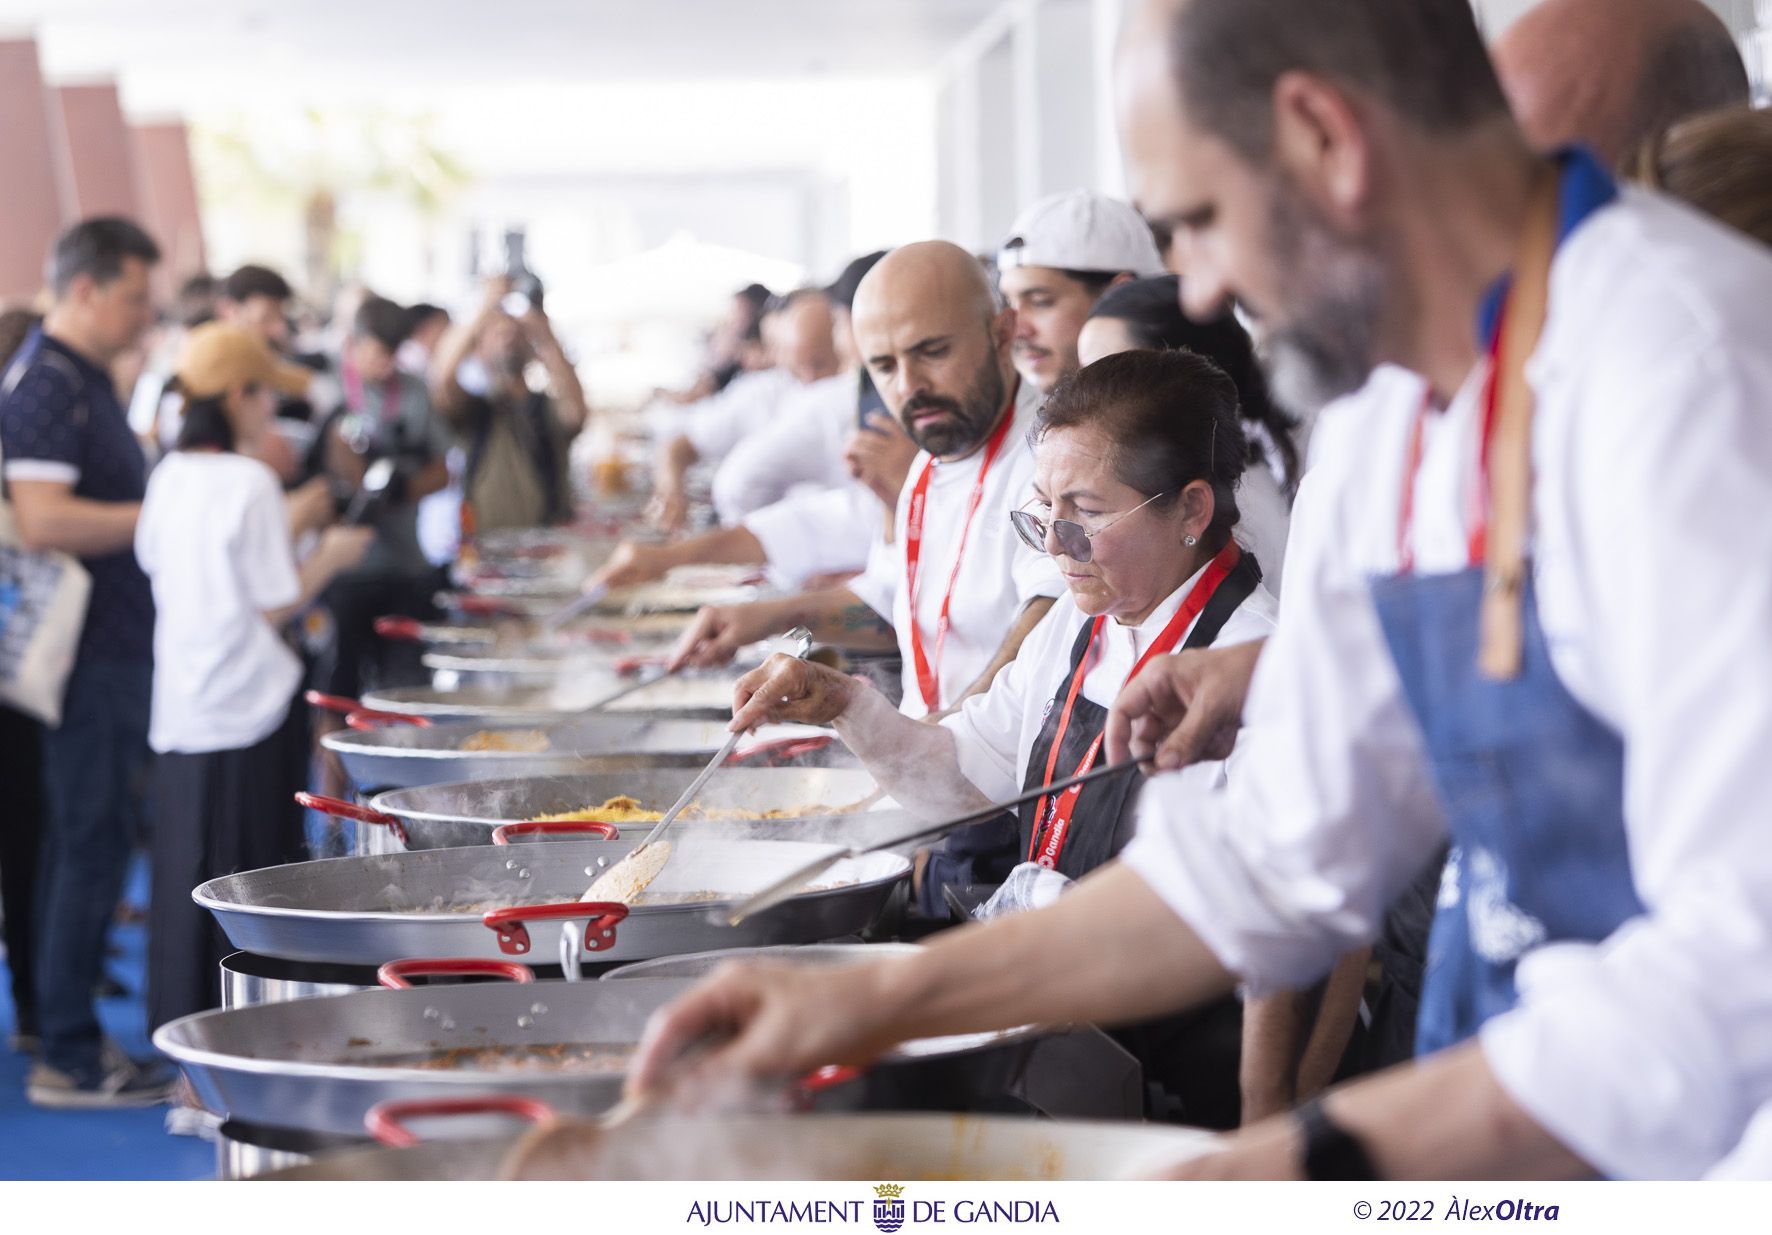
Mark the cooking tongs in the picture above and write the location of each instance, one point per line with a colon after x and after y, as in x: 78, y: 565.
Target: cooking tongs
x: 792, y: 882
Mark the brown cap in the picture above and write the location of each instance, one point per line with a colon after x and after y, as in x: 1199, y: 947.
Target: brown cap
x: 218, y: 356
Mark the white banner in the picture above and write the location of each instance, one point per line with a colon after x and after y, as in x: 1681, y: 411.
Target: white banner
x: 890, y: 1207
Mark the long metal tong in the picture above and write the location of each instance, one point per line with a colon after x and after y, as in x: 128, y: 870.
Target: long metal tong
x: 801, y: 641
x: 793, y: 881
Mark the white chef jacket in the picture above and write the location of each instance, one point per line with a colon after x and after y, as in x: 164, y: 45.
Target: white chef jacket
x: 999, y: 576
x: 819, y: 532
x: 1652, y: 450
x: 716, y: 424
x: 994, y: 733
x: 1264, y: 521
x: 801, y: 445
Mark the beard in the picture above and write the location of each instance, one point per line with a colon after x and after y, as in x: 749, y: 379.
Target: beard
x: 969, y: 419
x: 1335, y: 293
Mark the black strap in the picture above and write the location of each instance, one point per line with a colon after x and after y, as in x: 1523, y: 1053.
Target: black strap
x: 1331, y: 1151
x: 1236, y: 588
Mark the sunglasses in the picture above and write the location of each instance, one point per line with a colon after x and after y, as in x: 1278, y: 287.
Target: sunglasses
x: 1074, y: 540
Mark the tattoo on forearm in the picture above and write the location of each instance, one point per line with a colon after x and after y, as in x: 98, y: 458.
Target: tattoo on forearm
x: 860, y: 617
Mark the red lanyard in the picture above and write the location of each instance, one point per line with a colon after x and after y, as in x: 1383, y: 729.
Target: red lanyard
x: 354, y: 390
x: 1477, y: 541
x: 1055, y: 824
x: 928, y: 679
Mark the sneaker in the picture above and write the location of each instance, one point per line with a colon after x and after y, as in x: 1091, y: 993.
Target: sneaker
x: 121, y: 1083
x: 194, y: 1121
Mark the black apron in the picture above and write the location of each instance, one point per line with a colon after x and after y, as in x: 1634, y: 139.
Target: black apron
x: 1103, y: 802
x: 1191, y: 1059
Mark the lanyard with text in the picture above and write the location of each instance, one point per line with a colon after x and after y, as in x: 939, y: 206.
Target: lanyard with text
x: 929, y: 668
x: 1053, y: 822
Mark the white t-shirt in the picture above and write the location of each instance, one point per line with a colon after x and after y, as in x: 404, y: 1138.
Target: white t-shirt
x: 214, y: 541
x: 802, y: 445
x: 995, y: 732
x: 999, y: 574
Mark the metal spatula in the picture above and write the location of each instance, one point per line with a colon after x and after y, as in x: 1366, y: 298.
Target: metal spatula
x: 631, y: 876
x: 798, y: 878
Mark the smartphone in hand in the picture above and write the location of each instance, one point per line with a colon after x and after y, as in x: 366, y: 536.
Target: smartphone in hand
x: 868, y: 402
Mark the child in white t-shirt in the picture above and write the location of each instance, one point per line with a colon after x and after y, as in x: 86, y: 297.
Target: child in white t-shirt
x: 229, y: 730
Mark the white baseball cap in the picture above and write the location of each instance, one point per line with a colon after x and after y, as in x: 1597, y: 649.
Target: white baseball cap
x: 1081, y: 230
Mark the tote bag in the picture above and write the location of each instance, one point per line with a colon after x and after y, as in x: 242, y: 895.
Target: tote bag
x: 43, y: 595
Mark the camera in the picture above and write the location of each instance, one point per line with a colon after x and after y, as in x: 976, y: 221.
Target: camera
x: 526, y: 289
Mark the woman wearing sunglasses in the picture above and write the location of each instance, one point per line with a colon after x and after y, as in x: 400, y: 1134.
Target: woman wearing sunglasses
x: 1136, y: 464
x: 1137, y: 461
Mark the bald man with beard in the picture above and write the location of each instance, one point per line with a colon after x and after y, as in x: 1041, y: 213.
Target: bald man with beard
x: 954, y: 578
x: 1609, y: 73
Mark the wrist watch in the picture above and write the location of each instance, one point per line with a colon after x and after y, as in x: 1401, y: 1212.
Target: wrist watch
x: 1330, y: 1151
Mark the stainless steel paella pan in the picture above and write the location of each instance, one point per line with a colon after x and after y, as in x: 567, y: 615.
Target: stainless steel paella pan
x: 496, y: 902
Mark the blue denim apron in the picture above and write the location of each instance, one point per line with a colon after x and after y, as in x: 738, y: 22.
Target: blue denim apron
x: 1531, y: 782
x: 1532, y: 786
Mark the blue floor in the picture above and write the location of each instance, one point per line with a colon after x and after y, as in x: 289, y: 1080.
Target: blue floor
x: 38, y: 1144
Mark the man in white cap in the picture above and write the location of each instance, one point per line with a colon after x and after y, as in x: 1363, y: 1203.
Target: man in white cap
x: 1063, y: 252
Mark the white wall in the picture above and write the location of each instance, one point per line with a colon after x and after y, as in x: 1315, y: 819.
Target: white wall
x: 1023, y: 110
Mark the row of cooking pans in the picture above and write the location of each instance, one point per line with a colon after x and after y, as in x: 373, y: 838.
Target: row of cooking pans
x: 496, y: 741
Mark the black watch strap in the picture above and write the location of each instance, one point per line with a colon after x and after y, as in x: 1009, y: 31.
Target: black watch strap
x: 1330, y: 1151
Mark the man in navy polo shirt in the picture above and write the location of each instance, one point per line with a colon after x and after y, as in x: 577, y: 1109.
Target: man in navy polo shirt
x: 75, y: 476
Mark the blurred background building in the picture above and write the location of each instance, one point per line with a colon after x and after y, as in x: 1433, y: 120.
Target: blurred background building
x: 772, y: 141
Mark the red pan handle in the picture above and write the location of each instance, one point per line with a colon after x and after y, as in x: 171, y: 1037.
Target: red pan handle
x: 783, y: 750
x: 599, y: 634
x: 827, y: 1077
x: 505, y: 833
x: 340, y: 809
x: 386, y: 1121
x: 332, y: 703
x: 513, y: 936
x: 365, y: 717
x: 368, y: 719
x: 626, y: 665
x: 399, y: 626
x: 394, y: 974
x: 483, y: 605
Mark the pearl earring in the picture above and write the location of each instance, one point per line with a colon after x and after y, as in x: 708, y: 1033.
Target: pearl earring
x: 1190, y: 541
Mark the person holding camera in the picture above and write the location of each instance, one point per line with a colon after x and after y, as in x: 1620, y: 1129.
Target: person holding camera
x: 516, y: 438
x: 384, y: 450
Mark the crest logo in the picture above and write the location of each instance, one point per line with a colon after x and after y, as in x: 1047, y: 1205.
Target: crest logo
x: 888, y: 1207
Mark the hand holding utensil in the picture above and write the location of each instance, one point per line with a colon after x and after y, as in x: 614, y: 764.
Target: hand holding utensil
x: 631, y: 876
